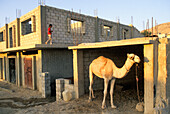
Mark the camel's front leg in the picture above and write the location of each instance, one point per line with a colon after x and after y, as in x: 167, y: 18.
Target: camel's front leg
x: 111, y: 92
x: 106, y: 81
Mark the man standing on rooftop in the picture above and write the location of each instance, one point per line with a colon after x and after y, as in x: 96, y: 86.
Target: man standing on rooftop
x: 49, y: 34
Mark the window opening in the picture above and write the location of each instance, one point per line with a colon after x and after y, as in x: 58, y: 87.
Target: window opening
x: 26, y: 27
x: 1, y: 36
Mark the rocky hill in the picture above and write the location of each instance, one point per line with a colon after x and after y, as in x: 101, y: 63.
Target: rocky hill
x: 162, y: 28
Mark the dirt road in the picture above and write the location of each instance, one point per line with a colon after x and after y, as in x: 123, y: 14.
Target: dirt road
x: 14, y: 100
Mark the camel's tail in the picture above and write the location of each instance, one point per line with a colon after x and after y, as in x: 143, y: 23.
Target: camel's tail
x: 91, y: 82
x: 90, y: 73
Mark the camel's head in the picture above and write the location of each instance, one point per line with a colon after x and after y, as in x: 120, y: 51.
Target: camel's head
x: 134, y: 58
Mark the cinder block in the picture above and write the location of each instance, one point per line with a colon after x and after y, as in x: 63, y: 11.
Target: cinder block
x: 60, y: 87
x: 69, y: 87
x: 58, y: 96
x: 67, y: 81
x: 45, y: 84
x: 60, y: 80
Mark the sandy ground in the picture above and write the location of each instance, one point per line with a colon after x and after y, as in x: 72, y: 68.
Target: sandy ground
x: 14, y: 100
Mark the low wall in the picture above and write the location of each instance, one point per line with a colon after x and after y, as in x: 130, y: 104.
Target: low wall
x: 45, y: 83
x: 63, y: 85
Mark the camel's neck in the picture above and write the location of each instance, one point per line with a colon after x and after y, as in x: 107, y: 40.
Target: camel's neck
x: 121, y: 72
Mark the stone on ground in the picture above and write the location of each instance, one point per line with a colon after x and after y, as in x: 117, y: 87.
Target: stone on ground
x: 140, y: 107
x: 67, y: 95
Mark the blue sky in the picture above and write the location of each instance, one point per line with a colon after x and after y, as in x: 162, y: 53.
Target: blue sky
x: 141, y: 10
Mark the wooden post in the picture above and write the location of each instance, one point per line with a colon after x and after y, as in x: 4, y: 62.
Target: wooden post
x: 78, y: 73
x: 149, y: 78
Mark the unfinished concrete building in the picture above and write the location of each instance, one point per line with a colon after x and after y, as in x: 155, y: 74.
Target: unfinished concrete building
x: 24, y: 55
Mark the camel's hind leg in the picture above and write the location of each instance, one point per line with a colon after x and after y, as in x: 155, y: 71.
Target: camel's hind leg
x: 91, y: 84
x: 111, y: 93
x: 106, y: 81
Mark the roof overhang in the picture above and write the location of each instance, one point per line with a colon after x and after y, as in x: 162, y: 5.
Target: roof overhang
x: 36, y: 47
x: 127, y: 42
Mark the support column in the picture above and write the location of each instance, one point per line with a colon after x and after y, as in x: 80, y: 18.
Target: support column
x: 148, y: 78
x: 22, y: 69
x: 78, y: 73
x: 34, y: 72
x: 42, y: 24
x: 18, y: 69
x: 6, y: 35
x: 7, y: 69
x: 96, y: 29
x: 161, y: 88
x: 18, y: 32
x: 132, y: 34
x: 4, y: 68
x: 118, y: 31
x: 39, y: 60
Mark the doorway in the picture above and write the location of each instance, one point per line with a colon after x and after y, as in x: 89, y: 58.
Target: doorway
x: 12, y: 71
x: 28, y: 72
x: 1, y: 68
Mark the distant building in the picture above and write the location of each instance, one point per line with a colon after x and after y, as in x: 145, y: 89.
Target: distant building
x: 168, y: 35
x: 162, y: 35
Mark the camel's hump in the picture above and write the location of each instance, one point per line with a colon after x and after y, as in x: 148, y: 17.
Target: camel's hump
x: 101, y: 59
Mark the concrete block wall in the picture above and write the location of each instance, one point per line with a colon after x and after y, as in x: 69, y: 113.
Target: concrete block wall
x: 58, y: 62
x: 12, y: 34
x: 118, y: 56
x: 34, y: 37
x: 2, y: 30
x: 3, y: 43
x: 126, y: 28
x: 117, y: 30
x: 136, y: 32
x: 59, y: 89
x: 17, y: 38
x: 45, y: 83
x: 162, y: 103
x: 42, y: 16
x: 93, y: 27
x: 103, y: 37
x: 58, y: 18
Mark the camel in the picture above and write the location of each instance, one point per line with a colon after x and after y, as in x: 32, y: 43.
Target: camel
x: 106, y: 69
